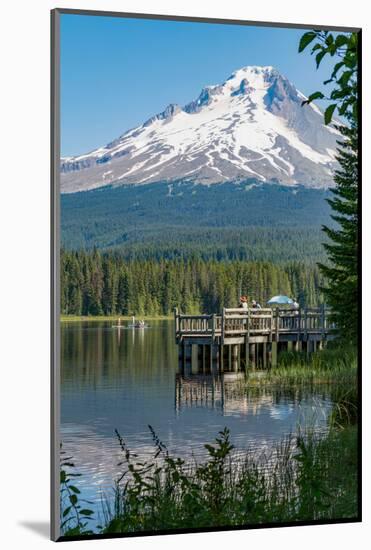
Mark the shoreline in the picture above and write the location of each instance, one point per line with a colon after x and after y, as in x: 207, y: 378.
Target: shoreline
x: 76, y: 318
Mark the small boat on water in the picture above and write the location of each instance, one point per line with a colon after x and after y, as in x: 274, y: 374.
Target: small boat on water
x: 133, y: 324
x: 138, y: 324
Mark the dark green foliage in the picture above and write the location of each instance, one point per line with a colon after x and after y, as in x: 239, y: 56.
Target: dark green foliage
x: 344, y: 75
x: 341, y: 270
x: 307, y: 478
x: 74, y: 517
x: 234, y: 221
x: 301, y: 479
x: 107, y: 284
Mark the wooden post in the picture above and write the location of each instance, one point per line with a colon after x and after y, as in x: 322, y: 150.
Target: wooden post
x: 223, y: 326
x: 246, y: 350
x: 204, y: 358
x: 235, y: 357
x: 264, y: 355
x: 188, y: 351
x: 274, y: 353
x: 176, y: 324
x: 215, y: 358
x: 208, y: 357
x: 277, y: 324
x: 181, y: 355
x: 269, y: 353
x: 247, y: 340
x: 306, y: 324
x: 252, y: 353
x: 323, y: 335
x: 221, y: 357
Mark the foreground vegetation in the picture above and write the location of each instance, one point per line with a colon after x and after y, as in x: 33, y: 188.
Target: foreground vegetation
x: 302, y: 478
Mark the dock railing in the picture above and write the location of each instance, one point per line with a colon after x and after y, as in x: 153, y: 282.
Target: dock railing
x: 253, y: 322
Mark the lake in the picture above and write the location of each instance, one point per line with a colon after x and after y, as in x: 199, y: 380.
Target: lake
x: 126, y: 379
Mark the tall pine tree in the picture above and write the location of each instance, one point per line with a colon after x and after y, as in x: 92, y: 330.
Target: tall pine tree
x: 341, y: 272
x: 341, y: 292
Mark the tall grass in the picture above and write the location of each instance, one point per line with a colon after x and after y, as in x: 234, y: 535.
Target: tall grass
x: 297, y: 368
x: 302, y: 478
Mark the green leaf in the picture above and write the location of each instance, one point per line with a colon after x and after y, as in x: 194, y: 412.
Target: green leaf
x: 86, y: 512
x: 306, y: 39
x: 74, y: 489
x: 319, y: 57
x: 329, y: 40
x: 341, y: 40
x: 66, y: 511
x: 343, y: 80
x: 73, y: 499
x: 336, y: 69
x: 312, y: 97
x: 316, y: 47
x: 329, y: 112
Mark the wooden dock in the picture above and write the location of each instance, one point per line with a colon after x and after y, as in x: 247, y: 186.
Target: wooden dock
x: 238, y: 338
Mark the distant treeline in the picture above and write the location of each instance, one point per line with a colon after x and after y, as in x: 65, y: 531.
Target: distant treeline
x: 95, y: 283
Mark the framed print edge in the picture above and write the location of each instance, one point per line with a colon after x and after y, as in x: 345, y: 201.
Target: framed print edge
x: 55, y: 275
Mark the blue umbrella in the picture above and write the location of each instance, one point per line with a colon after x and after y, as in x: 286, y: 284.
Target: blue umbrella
x: 280, y: 299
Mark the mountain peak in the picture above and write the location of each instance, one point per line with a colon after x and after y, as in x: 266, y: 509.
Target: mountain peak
x: 171, y: 110
x: 252, y: 125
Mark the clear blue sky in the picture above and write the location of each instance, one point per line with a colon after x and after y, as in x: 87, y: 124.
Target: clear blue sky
x: 116, y: 73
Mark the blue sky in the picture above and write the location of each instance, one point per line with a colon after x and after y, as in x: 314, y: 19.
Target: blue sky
x: 116, y: 72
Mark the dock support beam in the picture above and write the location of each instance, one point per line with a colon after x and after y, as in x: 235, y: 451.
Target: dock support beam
x: 215, y: 358
x: 235, y: 357
x: 252, y: 354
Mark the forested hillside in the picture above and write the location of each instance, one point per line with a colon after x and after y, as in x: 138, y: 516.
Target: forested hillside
x: 93, y: 283
x: 234, y: 221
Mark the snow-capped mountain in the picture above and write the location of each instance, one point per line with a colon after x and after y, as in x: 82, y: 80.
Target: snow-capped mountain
x: 251, y: 126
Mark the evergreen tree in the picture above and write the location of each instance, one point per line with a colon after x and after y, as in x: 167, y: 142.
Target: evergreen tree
x: 341, y: 292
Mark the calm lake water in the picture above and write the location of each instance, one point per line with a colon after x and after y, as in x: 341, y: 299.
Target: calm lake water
x: 125, y: 379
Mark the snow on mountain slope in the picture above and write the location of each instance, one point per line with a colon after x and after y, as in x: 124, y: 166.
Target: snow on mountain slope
x: 251, y: 126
